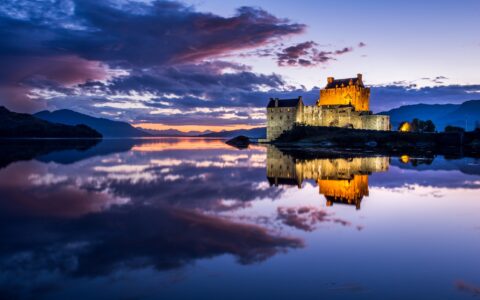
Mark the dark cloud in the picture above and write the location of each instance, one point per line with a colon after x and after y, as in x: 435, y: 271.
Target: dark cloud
x: 386, y: 97
x: 208, y: 93
x: 67, y: 43
x: 467, y: 287
x: 138, y: 34
x: 361, y: 44
x: 343, y: 51
x: 307, y: 54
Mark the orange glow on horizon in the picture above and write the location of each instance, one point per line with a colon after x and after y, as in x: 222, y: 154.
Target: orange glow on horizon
x: 187, y: 128
x: 181, y: 144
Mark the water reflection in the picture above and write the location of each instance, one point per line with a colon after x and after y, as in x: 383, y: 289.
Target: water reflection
x: 117, y: 214
x: 340, y: 180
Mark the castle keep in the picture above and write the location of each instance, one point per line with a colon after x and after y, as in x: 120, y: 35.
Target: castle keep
x: 342, y: 103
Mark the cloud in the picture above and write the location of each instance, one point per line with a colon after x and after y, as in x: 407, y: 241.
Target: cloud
x: 306, y: 218
x: 215, y: 92
x: 466, y: 287
x: 307, y: 54
x: 384, y: 97
x: 136, y: 33
x: 53, y: 46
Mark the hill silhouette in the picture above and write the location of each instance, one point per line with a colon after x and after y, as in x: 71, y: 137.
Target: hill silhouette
x: 461, y: 115
x: 19, y: 125
x: 108, y: 128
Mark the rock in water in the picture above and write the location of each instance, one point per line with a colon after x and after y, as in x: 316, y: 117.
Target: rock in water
x: 240, y: 142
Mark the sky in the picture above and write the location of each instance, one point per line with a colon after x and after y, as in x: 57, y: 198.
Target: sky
x: 213, y: 64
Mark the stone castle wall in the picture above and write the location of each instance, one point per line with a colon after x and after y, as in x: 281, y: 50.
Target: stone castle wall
x: 282, y: 119
x: 343, y: 117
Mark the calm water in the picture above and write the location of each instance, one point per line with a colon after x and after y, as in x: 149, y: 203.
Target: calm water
x: 197, y: 219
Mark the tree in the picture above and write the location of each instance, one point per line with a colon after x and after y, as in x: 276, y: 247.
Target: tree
x: 422, y: 126
x: 450, y: 128
x: 429, y: 126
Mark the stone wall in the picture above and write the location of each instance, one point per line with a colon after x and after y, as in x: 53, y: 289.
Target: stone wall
x: 343, y: 117
x: 376, y: 122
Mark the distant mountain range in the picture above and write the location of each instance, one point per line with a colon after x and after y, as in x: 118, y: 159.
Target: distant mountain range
x: 108, y: 128
x: 255, y: 133
x: 68, y: 123
x: 173, y: 132
x: 17, y: 125
x: 465, y: 114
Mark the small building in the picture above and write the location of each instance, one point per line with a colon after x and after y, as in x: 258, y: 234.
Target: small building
x: 342, y: 103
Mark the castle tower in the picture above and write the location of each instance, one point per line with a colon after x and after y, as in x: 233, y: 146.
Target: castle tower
x: 349, y: 91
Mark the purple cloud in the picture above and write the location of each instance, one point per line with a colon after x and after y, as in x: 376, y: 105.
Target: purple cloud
x: 307, y: 54
x: 118, y: 38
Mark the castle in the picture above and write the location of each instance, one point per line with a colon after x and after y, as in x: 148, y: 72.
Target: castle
x: 342, y: 103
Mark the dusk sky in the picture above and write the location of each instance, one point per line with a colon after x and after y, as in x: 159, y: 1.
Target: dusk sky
x: 214, y: 64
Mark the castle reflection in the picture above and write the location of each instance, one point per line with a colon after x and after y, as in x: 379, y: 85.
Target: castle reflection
x: 340, y: 180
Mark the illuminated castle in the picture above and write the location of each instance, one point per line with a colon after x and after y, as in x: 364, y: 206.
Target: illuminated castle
x: 340, y: 180
x: 342, y: 103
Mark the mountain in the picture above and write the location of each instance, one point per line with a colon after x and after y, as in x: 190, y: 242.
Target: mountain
x: 108, y: 128
x: 173, y: 132
x: 465, y: 114
x: 254, y: 133
x: 17, y: 125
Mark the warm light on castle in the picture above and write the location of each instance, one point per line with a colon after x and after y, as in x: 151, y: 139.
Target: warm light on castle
x: 342, y: 103
x: 349, y: 91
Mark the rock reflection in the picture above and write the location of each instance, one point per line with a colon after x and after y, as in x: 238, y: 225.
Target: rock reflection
x: 340, y: 180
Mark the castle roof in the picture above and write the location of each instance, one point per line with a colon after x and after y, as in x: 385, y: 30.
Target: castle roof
x: 284, y: 102
x: 346, y: 82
